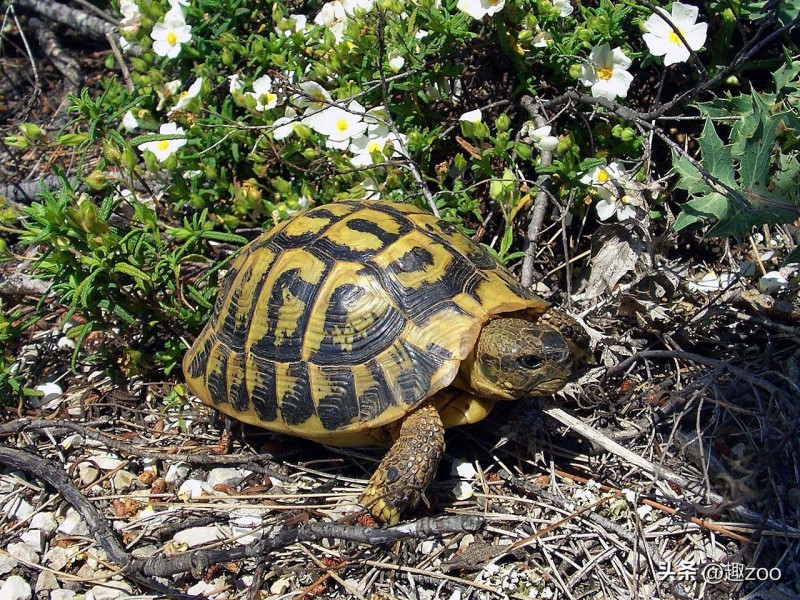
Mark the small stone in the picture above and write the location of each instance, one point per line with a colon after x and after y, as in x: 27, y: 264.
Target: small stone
x: 214, y: 589
x: 227, y: 476
x: 123, y: 480
x: 50, y: 391
x: 176, y: 472
x: 23, y: 553
x: 112, y: 590
x: 105, y: 462
x: 198, y: 536
x: 17, y: 508
x: 281, y: 586
x: 62, y: 594
x: 57, y: 557
x: 64, y: 343
x: 45, y: 582
x: 88, y: 473
x: 73, y: 524
x: 7, y: 564
x: 144, y: 551
x: 192, y: 489
x: 246, y: 530
x: 45, y: 521
x: 34, y: 538
x: 16, y: 588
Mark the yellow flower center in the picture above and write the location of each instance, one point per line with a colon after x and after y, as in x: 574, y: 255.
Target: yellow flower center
x: 342, y: 125
x: 604, y: 73
x: 373, y: 147
x: 675, y: 39
x: 602, y: 176
x: 172, y: 38
x: 163, y: 145
x: 270, y: 97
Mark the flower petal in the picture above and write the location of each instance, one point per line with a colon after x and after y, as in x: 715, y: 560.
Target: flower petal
x: 605, y: 209
x: 696, y: 35
x: 684, y: 15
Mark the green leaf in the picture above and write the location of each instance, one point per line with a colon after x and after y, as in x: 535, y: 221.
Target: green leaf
x: 690, y: 178
x: 129, y: 269
x: 717, y: 159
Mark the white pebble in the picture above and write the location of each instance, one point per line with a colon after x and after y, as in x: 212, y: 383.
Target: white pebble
x: 18, y: 508
x: 23, y: 553
x: 34, y: 538
x: 62, y: 595
x: 16, y: 588
x: 46, y: 521
x: 772, y: 282
x: 227, y: 476
x: 192, y: 489
x: 50, y: 391
x: 198, y: 536
x: 176, y: 472
x: 7, y: 564
x: 73, y: 524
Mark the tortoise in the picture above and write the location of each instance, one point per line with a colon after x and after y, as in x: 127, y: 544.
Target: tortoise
x: 370, y: 323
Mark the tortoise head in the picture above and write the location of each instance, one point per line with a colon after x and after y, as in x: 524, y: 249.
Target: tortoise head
x: 515, y: 358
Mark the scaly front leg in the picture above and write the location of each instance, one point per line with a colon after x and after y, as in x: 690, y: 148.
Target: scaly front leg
x: 408, y: 467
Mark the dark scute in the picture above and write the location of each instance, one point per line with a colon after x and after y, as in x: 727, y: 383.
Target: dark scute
x: 377, y: 398
x: 414, y: 383
x: 197, y: 367
x: 283, y: 241
x: 290, y: 347
x: 230, y: 333
x: 460, y: 276
x: 217, y: 382
x: 265, y: 404
x: 239, y: 398
x: 339, y: 407
x: 227, y: 282
x: 481, y: 258
x: 416, y: 259
x: 296, y: 405
x: 387, y: 237
x: 379, y: 334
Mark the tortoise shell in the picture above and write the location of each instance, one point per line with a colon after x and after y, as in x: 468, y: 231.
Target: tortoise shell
x: 344, y: 318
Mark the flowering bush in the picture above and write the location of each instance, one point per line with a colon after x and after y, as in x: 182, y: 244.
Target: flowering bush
x: 236, y: 115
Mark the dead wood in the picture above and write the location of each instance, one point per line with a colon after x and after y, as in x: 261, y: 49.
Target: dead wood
x: 75, y: 19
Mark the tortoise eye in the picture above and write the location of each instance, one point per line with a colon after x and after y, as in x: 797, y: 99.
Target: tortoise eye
x: 530, y: 361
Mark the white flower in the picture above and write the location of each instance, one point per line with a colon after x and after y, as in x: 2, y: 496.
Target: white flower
x: 334, y: 18
x: 131, y: 16
x: 351, y: 6
x: 376, y: 118
x: 339, y: 125
x: 662, y: 40
x: 285, y: 125
x: 610, y: 182
x: 564, y: 7
x: 296, y: 24
x: 235, y: 83
x: 129, y: 122
x: 543, y: 140
x: 375, y: 141
x: 542, y: 39
x: 607, y: 72
x: 371, y: 188
x: 187, y: 95
x: 396, y: 61
x: 262, y: 92
x: 477, y: 9
x: 473, y: 116
x: 163, y: 149
x: 314, y: 97
x: 178, y: 3
x: 171, y: 33
x: 607, y: 208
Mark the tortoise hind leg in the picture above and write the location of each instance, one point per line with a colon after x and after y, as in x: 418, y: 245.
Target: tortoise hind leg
x: 409, y: 466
